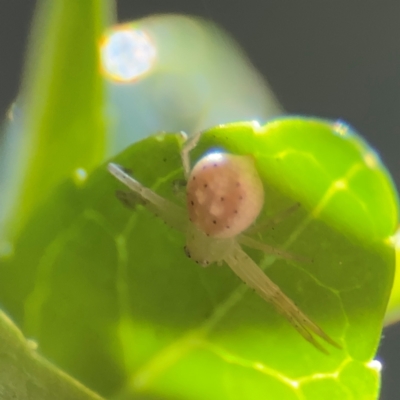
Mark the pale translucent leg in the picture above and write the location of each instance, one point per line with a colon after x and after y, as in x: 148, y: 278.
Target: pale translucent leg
x: 246, y: 240
x: 179, y: 188
x: 275, y: 220
x: 190, y: 144
x: 255, y: 244
x: 173, y: 215
x: 249, y: 272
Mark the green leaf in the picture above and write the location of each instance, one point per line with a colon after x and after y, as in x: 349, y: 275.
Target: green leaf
x: 393, y: 309
x: 27, y: 376
x: 110, y: 296
x: 61, y: 132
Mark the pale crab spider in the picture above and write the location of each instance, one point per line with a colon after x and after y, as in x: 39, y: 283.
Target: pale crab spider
x: 224, y: 196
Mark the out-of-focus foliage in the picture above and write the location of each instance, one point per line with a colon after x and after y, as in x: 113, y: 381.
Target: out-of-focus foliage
x: 26, y: 376
x: 59, y: 124
x: 175, y: 73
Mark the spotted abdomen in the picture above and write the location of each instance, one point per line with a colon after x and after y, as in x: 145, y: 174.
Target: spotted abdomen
x: 224, y: 194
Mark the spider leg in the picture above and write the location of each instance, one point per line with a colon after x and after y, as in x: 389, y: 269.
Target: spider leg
x: 275, y: 220
x: 179, y: 189
x: 249, y: 272
x: 255, y: 244
x: 173, y: 215
x: 189, y: 145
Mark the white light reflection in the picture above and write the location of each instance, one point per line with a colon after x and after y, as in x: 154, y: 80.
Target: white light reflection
x: 126, y: 54
x: 395, y: 239
x: 80, y: 176
x: 340, y: 128
x: 371, y: 159
x: 215, y: 156
x: 375, y: 365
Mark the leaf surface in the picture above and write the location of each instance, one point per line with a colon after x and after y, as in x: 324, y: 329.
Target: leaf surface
x: 393, y: 310
x: 109, y: 294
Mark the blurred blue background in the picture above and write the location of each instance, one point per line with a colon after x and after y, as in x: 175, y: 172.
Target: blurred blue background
x: 337, y: 60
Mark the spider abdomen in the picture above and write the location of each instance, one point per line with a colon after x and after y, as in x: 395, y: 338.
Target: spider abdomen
x: 224, y: 194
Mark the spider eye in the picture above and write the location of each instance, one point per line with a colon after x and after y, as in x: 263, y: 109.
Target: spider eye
x: 224, y: 194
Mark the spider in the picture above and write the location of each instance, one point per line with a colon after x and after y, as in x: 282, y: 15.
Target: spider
x: 224, y: 196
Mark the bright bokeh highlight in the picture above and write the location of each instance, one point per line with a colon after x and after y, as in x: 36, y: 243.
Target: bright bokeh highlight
x: 126, y: 54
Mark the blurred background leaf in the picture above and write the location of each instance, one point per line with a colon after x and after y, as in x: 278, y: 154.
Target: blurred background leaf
x: 59, y: 125
x: 177, y: 73
x: 27, y: 376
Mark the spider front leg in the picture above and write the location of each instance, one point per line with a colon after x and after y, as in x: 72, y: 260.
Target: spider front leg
x: 188, y: 146
x: 170, y: 213
x: 251, y: 274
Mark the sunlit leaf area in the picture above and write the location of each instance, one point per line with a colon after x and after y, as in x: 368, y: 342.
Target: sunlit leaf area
x: 99, y: 297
